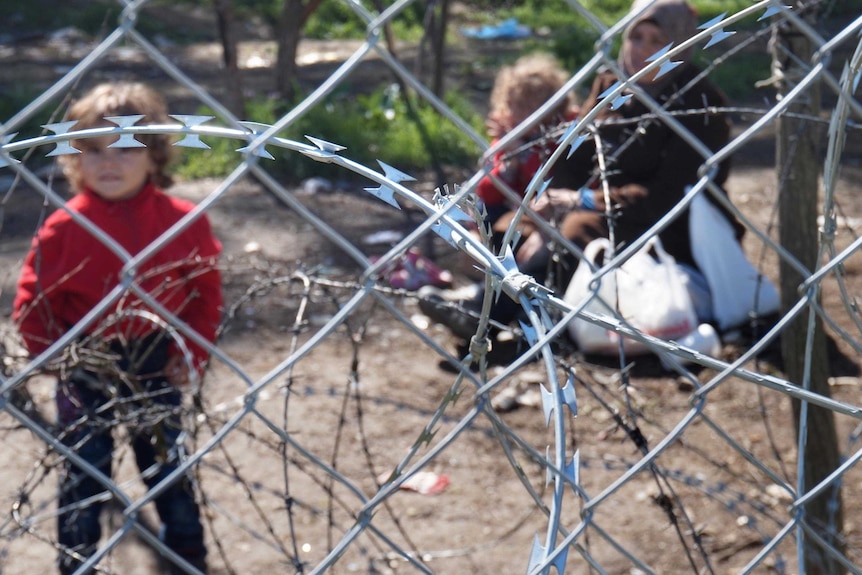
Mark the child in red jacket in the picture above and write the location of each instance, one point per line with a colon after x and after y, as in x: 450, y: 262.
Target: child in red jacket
x: 519, y: 90
x: 131, y: 359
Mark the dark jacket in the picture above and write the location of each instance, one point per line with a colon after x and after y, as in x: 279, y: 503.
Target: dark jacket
x: 651, y: 157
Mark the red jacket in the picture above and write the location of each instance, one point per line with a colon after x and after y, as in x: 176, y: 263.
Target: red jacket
x: 518, y: 173
x: 68, y: 271
x: 518, y: 177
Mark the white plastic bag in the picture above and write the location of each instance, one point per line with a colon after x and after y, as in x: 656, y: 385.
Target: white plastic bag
x: 649, y: 292
x: 737, y: 288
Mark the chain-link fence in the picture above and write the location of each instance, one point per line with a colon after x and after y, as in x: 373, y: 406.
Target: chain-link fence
x: 325, y: 437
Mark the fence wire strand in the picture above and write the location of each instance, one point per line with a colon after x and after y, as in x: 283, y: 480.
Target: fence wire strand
x: 307, y: 457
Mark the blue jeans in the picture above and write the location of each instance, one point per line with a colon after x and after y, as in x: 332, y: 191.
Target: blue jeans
x: 701, y: 297
x: 89, y: 405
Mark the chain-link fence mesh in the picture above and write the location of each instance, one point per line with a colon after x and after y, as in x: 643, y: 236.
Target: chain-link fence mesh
x: 324, y: 436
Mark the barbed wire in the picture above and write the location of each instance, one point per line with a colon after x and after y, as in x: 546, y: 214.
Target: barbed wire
x: 308, y: 457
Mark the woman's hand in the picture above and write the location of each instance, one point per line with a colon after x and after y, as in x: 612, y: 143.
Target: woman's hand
x: 602, y: 82
x: 628, y: 195
x: 556, y: 200
x: 529, y: 247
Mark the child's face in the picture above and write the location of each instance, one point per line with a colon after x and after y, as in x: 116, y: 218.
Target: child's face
x: 519, y: 112
x: 114, y: 174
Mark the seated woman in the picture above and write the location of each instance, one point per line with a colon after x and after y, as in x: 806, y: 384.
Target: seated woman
x: 647, y: 165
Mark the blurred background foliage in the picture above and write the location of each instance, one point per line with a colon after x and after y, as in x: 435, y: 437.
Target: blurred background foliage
x: 377, y: 121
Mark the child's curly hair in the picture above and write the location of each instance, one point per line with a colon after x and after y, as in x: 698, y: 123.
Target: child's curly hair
x: 121, y: 99
x: 521, y: 88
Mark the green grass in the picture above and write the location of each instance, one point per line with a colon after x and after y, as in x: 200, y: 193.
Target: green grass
x: 572, y: 38
x: 381, y: 124
x: 385, y: 125
x: 99, y: 17
x: 409, y: 134
x: 737, y: 77
x: 13, y: 99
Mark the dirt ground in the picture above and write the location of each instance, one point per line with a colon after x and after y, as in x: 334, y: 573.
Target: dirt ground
x: 366, y: 396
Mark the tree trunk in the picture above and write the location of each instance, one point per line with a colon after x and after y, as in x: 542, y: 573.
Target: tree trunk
x: 798, y: 174
x: 439, y: 42
x: 294, y: 15
x: 234, y: 100
x: 289, y: 34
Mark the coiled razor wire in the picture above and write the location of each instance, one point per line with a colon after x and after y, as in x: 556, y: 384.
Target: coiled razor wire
x: 304, y: 469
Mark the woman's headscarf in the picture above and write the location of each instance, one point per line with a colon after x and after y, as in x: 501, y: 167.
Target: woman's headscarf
x: 676, y: 18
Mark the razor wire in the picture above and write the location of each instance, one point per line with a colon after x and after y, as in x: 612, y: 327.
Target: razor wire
x: 334, y: 499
